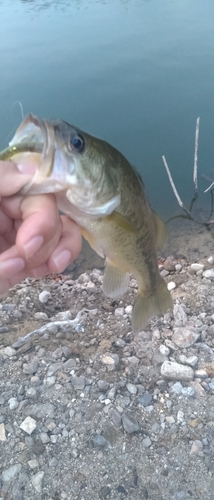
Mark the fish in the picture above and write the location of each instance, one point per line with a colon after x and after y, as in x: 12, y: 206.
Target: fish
x: 104, y: 194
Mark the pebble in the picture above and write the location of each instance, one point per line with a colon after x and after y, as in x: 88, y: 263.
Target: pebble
x: 197, y: 447
x: 115, y: 417
x: 211, y: 384
x: 130, y: 424
x: 13, y: 403
x: 210, y: 260
x: 28, y: 425
x: 2, y: 433
x: 176, y: 388
x: 197, y: 267
x: 179, y: 314
x: 188, y: 391
x: 31, y: 368
x: 9, y: 474
x: 201, y: 373
x: 173, y: 371
x: 131, y: 388
x: 53, y: 368
x: 191, y: 361
x: 78, y: 382
x: 44, y: 296
x: 110, y: 359
x: 164, y: 350
x: 184, y: 337
x: 33, y: 464
x: 147, y: 442
x: 103, y: 385
x: 9, y: 351
x: 171, y: 285
x: 209, y: 273
x: 100, y: 441
x: 119, y: 311
x: 37, y: 481
x: 145, y: 399
x: 41, y: 316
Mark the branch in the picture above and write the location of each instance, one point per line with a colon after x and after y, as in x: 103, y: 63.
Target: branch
x: 172, y: 183
x: 195, y: 168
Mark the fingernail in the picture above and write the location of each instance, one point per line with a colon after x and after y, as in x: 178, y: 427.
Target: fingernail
x: 61, y: 260
x: 11, y: 266
x: 31, y: 247
x: 26, y: 169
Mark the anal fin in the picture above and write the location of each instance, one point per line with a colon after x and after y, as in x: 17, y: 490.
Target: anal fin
x: 115, y: 281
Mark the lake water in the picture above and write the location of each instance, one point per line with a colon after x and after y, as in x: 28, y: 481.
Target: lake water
x: 135, y: 73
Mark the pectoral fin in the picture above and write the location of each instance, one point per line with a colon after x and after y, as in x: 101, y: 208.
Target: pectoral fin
x: 115, y: 281
x: 161, y: 232
x: 121, y: 221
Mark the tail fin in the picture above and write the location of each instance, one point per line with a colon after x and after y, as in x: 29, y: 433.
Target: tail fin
x: 146, y: 307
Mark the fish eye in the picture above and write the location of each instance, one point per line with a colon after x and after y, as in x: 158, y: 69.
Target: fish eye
x: 76, y: 143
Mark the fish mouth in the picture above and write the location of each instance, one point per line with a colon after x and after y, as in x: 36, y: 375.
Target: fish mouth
x: 35, y: 135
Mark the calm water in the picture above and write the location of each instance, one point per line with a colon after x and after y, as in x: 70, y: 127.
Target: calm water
x: 136, y: 73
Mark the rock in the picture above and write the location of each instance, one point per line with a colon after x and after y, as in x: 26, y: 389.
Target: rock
x: 100, y: 441
x: 104, y: 492
x: 201, y: 373
x: 33, y: 464
x: 110, y: 359
x: 178, y: 268
x: 173, y: 371
x: 191, y: 361
x: 2, y: 433
x: 164, y: 350
x: 180, y: 316
x: 145, y: 399
x: 44, y: 297
x: 171, y: 285
x: 9, y: 474
x: 115, y: 417
x: 197, y: 267
x: 78, y: 382
x: 40, y: 410
x: 112, y: 393
x: 184, y: 337
x: 130, y: 423
x: 53, y: 368
x: 41, y: 316
x: 188, y: 391
x: 209, y: 273
x: 9, y: 351
x: 28, y: 425
x: 176, y: 388
x: 210, y: 260
x: 147, y: 442
x: 103, y: 385
x: 131, y: 388
x: 37, y: 481
x: 197, y: 448
x: 119, y: 311
x: 180, y: 416
x: 13, y: 403
x: 31, y: 368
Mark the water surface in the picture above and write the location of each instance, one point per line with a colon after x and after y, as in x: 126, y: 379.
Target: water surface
x: 135, y: 73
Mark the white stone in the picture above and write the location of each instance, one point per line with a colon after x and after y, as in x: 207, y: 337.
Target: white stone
x: 173, y: 371
x: 9, y: 351
x: 197, y: 267
x: 180, y: 416
x: 171, y: 285
x: 191, y: 361
x: 178, y: 267
x: 37, y: 481
x: 210, y: 260
x: 40, y: 316
x: 110, y: 359
x: 33, y: 464
x: 128, y: 309
x: 209, y: 273
x: 2, y: 433
x: 184, y: 337
x: 13, y: 403
x: 164, y: 350
x: 119, y: 311
x: 44, y: 296
x: 170, y: 419
x: 28, y: 425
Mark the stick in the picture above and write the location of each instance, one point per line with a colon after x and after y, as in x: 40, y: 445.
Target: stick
x: 172, y: 183
x: 195, y: 168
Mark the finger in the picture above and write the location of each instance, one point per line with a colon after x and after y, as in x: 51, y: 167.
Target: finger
x: 40, y: 231
x: 68, y: 248
x: 10, y: 171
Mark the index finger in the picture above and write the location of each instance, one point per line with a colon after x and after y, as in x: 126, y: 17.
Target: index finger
x: 13, y: 177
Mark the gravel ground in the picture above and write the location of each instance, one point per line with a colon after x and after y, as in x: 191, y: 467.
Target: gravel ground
x: 90, y: 411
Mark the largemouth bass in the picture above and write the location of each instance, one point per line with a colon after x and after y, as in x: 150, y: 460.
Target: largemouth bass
x: 98, y: 188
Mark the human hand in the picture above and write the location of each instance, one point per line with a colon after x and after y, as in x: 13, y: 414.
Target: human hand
x: 34, y: 239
